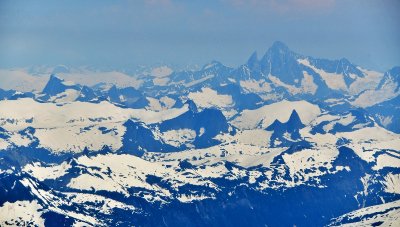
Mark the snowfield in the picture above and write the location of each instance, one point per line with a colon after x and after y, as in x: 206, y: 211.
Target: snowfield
x: 266, y: 115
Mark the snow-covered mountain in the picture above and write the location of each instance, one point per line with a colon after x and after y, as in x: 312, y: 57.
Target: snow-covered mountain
x: 384, y: 101
x: 281, y: 73
x: 282, y: 140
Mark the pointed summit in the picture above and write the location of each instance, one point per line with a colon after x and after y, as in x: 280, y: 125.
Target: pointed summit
x: 394, y: 73
x: 279, y: 46
x: 293, y: 124
x: 390, y: 78
x: 282, y: 63
x: 345, y: 61
x: 294, y: 116
x: 278, y: 50
x: 56, y: 85
x: 113, y: 94
x: 54, y: 78
x: 294, y: 121
x: 275, y: 125
x: 253, y: 63
x: 285, y: 133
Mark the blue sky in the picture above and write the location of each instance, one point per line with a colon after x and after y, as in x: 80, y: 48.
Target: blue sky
x: 128, y: 33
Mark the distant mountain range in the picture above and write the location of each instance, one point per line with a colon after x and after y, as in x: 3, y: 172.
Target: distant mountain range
x: 282, y: 140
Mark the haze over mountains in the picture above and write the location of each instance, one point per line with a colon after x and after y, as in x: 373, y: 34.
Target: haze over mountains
x: 284, y: 139
x: 278, y: 74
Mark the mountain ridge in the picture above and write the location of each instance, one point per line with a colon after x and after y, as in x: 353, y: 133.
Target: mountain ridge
x: 285, y: 139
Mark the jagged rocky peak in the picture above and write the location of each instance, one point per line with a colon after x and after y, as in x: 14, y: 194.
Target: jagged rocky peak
x: 395, y: 71
x: 345, y: 62
x: 294, y: 120
x: 86, y: 89
x: 281, y: 62
x: 56, y: 85
x: 279, y: 47
x: 54, y: 79
x: 390, y: 80
x: 391, y: 76
x: 253, y: 62
x: 349, y: 70
x: 274, y: 125
x: 285, y: 134
x: 278, y: 50
x: 293, y: 123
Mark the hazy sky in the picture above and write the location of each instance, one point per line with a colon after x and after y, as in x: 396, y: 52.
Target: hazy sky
x: 126, y: 33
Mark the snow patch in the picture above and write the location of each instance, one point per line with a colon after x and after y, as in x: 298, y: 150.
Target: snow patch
x: 207, y: 98
x: 255, y: 86
x: 161, y: 71
x: 332, y: 80
x: 179, y: 137
x: 21, y: 213
x: 392, y: 182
